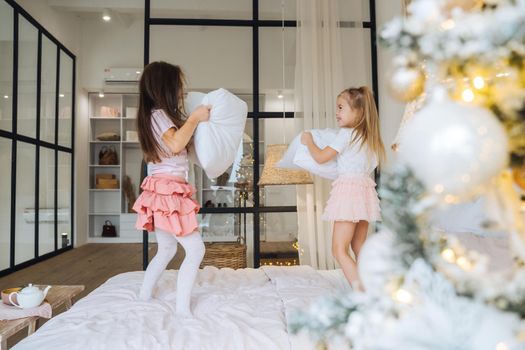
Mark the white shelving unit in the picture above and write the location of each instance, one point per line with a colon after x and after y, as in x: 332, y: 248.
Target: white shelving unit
x: 111, y: 204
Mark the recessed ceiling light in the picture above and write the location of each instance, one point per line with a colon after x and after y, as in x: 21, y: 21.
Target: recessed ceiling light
x: 106, y: 16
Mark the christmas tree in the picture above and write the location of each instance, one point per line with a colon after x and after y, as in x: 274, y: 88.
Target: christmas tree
x: 424, y: 289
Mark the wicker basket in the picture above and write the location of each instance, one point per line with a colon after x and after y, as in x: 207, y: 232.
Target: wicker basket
x: 225, y: 254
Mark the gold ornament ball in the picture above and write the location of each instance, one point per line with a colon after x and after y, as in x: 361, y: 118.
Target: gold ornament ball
x: 522, y: 74
x: 407, y: 83
x: 519, y: 176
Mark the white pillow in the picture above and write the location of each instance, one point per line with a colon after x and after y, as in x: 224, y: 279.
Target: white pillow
x: 303, y: 158
x: 286, y: 161
x: 216, y: 142
x: 192, y: 101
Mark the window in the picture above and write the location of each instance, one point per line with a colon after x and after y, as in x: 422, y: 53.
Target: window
x: 36, y: 141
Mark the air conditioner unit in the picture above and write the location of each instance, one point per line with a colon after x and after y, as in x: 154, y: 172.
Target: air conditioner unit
x: 122, y: 76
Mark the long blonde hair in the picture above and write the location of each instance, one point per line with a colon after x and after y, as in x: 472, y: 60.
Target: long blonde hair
x: 366, y: 130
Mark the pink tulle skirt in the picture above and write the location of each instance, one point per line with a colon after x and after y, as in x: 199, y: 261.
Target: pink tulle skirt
x: 353, y: 198
x: 166, y: 203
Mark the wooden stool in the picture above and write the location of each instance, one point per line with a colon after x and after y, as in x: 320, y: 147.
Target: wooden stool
x: 57, y: 296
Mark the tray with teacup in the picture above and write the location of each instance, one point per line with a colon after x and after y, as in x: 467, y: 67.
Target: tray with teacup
x: 24, y: 298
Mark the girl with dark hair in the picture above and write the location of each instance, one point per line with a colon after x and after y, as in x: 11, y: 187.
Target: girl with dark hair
x: 165, y: 206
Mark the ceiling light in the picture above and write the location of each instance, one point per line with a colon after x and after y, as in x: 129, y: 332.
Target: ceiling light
x: 105, y: 15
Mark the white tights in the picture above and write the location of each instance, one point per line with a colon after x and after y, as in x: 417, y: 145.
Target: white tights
x: 166, y: 249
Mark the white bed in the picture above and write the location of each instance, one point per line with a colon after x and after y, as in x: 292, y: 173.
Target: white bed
x: 242, y: 309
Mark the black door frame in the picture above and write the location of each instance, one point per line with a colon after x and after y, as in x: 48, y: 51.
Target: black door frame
x: 255, y: 23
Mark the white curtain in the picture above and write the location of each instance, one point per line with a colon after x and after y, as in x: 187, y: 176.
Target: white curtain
x: 318, y: 80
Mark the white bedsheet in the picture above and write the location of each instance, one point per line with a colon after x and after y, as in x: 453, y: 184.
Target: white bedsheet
x: 242, y: 309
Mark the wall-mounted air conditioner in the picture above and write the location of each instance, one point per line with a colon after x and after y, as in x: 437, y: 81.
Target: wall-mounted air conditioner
x: 46, y: 215
x: 122, y: 76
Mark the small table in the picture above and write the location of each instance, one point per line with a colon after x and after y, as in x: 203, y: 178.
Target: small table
x: 57, y: 296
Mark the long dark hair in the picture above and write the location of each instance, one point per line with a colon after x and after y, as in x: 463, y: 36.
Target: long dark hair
x: 161, y: 87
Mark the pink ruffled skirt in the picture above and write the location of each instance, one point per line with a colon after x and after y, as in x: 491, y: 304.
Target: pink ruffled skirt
x: 166, y: 203
x: 353, y: 198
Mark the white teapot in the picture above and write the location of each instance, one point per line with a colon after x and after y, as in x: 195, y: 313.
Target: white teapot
x: 29, y: 297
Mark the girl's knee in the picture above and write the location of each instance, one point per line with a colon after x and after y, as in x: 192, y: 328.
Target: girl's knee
x: 167, y: 251
x: 338, y: 253
x: 201, y: 249
x: 196, y: 251
x: 334, y: 252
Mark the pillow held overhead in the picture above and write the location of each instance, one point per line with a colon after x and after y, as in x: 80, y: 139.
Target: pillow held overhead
x: 216, y: 141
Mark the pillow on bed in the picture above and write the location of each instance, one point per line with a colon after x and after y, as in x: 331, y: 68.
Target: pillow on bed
x: 216, y: 141
x: 303, y: 158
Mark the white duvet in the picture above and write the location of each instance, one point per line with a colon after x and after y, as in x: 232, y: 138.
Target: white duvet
x: 242, y: 309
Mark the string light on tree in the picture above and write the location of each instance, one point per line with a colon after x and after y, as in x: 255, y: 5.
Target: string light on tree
x: 448, y: 24
x: 403, y: 296
x: 464, y: 263
x: 439, y: 188
x: 448, y: 255
x: 467, y: 95
x: 501, y: 346
x: 478, y: 82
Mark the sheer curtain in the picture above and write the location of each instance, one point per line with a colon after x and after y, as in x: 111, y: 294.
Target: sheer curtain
x: 318, y: 80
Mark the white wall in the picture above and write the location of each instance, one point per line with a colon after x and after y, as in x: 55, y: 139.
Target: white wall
x: 64, y: 28
x: 108, y: 44
x: 102, y: 45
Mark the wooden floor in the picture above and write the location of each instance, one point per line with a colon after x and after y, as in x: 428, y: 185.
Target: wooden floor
x: 90, y: 265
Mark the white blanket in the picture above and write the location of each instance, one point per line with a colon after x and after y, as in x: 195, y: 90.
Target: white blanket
x: 242, y: 309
